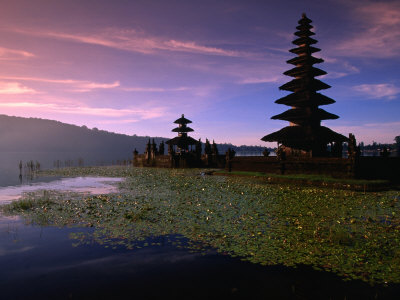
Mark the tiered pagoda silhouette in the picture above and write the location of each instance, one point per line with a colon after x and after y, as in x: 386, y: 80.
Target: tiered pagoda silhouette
x: 182, y: 141
x: 181, y: 153
x: 303, y: 146
x: 305, y: 135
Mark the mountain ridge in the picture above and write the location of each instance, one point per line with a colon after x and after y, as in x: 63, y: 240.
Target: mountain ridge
x: 19, y: 134
x: 37, y: 135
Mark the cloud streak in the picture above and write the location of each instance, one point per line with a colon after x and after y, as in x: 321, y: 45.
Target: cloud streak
x: 153, y: 89
x: 380, y: 32
x: 255, y: 80
x: 378, y: 91
x: 12, y: 54
x: 12, y: 88
x: 75, y: 85
x: 131, y: 40
x: 78, y: 109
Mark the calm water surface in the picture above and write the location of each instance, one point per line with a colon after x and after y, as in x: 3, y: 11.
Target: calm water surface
x: 43, y: 263
x: 93, y: 185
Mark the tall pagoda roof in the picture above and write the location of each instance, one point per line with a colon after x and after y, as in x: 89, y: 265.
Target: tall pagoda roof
x: 304, y: 27
x: 305, y: 98
x: 182, y: 120
x: 304, y: 49
x: 305, y: 60
x: 299, y: 114
x: 304, y: 83
x: 304, y: 32
x: 305, y: 131
x: 304, y: 19
x: 304, y: 70
x: 303, y: 137
x: 304, y: 40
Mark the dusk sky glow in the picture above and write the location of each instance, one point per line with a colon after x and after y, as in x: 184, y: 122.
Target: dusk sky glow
x: 134, y: 67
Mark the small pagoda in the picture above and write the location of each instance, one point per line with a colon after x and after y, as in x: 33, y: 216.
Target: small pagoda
x: 305, y: 135
x: 182, y: 141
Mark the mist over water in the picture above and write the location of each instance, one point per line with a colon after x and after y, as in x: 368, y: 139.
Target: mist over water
x: 10, y: 171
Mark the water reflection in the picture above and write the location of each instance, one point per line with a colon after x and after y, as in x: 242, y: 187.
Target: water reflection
x: 13, y: 164
x: 130, y: 252
x: 93, y: 185
x: 44, y: 262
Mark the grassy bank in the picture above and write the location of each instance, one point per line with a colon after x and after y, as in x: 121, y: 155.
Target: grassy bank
x: 353, y: 234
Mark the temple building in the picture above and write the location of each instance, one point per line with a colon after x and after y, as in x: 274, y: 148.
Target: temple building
x: 305, y: 135
x: 182, y: 143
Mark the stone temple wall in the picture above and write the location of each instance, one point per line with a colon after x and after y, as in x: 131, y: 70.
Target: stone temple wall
x: 361, y: 167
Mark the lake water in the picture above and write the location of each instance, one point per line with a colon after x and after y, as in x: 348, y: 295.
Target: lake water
x: 93, y: 185
x: 39, y: 262
x: 42, y: 263
x: 10, y: 170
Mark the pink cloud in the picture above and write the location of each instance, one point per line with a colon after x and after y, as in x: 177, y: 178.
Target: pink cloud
x: 173, y: 45
x: 152, y: 89
x: 382, y: 90
x: 11, y: 54
x: 15, y: 88
x: 74, y: 85
x: 79, y: 109
x: 131, y: 40
x: 119, y: 121
x: 344, y: 66
x: 380, y: 35
x: 83, y: 86
x: 253, y: 80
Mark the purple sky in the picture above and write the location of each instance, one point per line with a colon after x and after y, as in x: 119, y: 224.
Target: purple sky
x: 134, y: 67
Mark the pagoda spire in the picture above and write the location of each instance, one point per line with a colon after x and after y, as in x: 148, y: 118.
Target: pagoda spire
x: 182, y: 129
x: 305, y: 131
x: 182, y: 141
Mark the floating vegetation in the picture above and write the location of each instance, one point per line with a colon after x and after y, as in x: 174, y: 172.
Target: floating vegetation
x: 353, y: 234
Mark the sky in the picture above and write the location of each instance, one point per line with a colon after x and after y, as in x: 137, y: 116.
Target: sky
x: 133, y: 67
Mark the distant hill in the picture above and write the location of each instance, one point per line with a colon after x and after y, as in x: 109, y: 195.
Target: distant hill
x: 39, y: 135
x: 66, y: 141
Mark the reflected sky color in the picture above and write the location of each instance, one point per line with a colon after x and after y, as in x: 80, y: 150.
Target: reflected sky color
x: 134, y: 67
x: 92, y: 185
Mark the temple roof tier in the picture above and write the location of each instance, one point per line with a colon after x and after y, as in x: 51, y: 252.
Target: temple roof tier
x: 304, y: 50
x: 302, y: 114
x: 303, y: 137
x: 182, y: 141
x: 305, y: 99
x: 182, y: 129
x: 304, y: 19
x: 299, y: 84
x: 304, y: 40
x: 305, y: 70
x: 310, y: 60
x: 182, y: 120
x: 304, y: 32
x: 304, y: 26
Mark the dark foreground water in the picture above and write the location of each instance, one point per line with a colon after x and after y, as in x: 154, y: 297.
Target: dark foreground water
x: 42, y: 263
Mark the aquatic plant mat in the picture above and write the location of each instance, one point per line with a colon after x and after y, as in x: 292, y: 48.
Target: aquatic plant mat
x: 364, y: 185
x: 353, y: 234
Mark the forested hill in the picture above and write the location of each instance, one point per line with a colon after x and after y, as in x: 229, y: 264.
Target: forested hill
x: 39, y: 135
x: 35, y: 135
